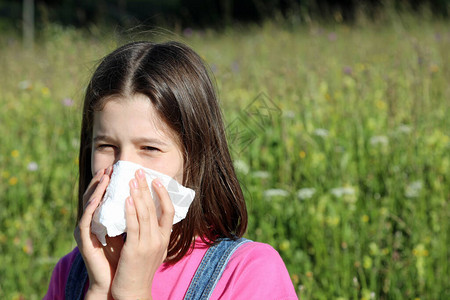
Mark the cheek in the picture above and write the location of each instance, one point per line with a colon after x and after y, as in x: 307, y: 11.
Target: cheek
x: 100, y: 161
x: 177, y: 168
x: 170, y: 165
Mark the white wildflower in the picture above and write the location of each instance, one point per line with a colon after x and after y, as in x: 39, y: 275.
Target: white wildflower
x: 289, y: 114
x: 404, y: 129
x: 241, y: 166
x: 321, y: 132
x: 32, y: 166
x: 261, y: 174
x: 379, y: 140
x: 25, y: 85
x: 342, y: 191
x: 306, y: 193
x: 413, y: 189
x: 75, y: 143
x: 275, y: 193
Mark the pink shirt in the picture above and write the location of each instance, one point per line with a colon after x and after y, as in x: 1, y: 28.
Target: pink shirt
x: 255, y: 271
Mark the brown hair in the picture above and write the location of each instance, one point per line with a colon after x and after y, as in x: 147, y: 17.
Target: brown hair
x: 177, y: 83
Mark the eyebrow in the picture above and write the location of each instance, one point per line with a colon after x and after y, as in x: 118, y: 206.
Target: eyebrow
x: 141, y: 140
x: 102, y: 138
x: 152, y: 141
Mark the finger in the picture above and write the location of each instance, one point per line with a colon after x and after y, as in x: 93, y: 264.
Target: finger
x: 142, y: 213
x: 83, y: 233
x: 145, y: 189
x: 101, y: 187
x: 109, y: 170
x: 145, y: 207
x: 85, y: 221
x: 167, y: 209
x: 143, y: 199
x: 99, y: 175
x: 92, y: 185
x: 132, y: 222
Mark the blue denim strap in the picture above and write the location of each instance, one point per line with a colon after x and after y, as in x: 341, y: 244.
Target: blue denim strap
x: 77, y: 279
x: 211, y: 268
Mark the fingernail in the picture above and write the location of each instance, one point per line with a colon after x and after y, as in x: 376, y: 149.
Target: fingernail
x: 108, y: 171
x: 134, y: 183
x: 130, y: 201
x: 101, y: 179
x: 140, y: 173
x: 158, y: 182
x: 91, y: 201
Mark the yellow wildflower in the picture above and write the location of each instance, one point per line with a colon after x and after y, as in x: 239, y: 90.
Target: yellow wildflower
x: 13, y: 180
x: 420, y: 251
x: 367, y: 262
x: 15, y: 153
x: 360, y: 67
x: 45, y: 91
x: 285, y: 245
x: 27, y: 249
x: 380, y: 104
x: 333, y: 221
x: 302, y: 154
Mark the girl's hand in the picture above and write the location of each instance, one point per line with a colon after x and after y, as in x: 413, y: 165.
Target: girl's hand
x: 147, y: 240
x: 100, y: 261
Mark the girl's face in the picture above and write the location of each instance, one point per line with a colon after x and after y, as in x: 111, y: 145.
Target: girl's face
x: 131, y: 130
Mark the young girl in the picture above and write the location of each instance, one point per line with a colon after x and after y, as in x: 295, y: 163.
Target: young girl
x: 155, y: 105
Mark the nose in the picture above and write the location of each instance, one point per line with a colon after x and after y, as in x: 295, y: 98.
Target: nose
x: 127, y: 155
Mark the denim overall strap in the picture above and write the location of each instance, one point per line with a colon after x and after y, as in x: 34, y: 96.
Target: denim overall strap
x: 77, y: 279
x: 211, y: 268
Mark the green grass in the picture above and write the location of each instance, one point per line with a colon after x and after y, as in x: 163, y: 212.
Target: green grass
x: 341, y: 138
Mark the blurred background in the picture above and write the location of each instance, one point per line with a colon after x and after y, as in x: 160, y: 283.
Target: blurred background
x: 336, y: 114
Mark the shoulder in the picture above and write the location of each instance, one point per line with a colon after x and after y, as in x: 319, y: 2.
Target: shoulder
x: 257, y: 253
x: 255, y: 270
x: 256, y: 259
x: 59, y: 276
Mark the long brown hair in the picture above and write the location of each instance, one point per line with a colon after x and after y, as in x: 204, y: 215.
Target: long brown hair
x: 177, y: 83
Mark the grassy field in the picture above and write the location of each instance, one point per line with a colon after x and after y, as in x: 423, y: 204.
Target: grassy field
x: 341, y: 139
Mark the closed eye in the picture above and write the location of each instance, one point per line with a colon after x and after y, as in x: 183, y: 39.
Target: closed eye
x: 149, y: 148
x: 105, y: 146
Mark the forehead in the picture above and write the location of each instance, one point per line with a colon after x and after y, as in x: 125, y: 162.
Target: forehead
x: 136, y: 114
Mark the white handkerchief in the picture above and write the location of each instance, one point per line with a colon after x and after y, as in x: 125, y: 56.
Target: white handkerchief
x: 109, y: 217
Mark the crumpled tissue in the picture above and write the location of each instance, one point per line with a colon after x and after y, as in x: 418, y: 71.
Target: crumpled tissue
x: 109, y: 217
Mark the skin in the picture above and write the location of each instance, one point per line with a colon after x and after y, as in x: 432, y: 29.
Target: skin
x: 131, y: 130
